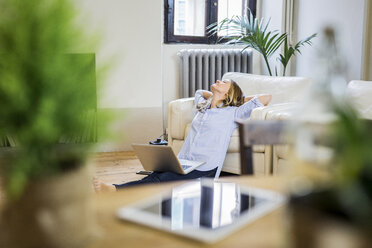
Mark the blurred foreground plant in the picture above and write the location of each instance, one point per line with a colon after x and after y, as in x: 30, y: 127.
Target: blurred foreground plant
x: 346, y: 192
x: 352, y: 139
x: 47, y: 94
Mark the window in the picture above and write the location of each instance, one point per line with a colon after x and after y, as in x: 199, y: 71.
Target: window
x: 186, y: 20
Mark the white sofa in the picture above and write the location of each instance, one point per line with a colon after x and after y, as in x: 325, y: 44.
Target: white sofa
x: 359, y: 94
x: 285, y: 91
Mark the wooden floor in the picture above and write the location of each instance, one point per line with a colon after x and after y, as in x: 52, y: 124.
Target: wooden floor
x: 117, y: 167
x: 111, y: 167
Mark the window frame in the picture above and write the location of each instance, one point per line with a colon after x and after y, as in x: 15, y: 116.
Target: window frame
x: 211, y: 16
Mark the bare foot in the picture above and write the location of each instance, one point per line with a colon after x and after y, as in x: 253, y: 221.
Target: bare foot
x: 100, y: 186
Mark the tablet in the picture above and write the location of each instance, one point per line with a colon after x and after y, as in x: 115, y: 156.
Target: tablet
x: 203, y: 210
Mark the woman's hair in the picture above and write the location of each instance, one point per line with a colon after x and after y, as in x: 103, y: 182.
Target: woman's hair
x: 234, y: 96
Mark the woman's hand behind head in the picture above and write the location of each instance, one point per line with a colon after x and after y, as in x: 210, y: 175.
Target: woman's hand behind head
x: 265, y: 99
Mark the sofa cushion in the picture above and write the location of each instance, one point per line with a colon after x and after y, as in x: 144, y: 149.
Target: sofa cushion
x: 283, y: 89
x: 360, y: 93
x: 234, y: 142
x: 232, y: 164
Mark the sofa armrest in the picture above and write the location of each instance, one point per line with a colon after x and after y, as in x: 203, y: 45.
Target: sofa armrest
x: 180, y: 113
x: 261, y: 113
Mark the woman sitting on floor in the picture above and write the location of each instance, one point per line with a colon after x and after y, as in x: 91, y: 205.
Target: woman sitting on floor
x: 210, y: 132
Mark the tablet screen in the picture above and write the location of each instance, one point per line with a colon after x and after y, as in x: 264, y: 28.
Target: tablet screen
x: 200, y: 208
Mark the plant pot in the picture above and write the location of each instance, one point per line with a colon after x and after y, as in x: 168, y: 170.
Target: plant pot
x: 53, y: 212
x: 313, y: 226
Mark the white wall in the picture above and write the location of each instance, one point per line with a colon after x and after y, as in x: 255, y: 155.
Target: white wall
x: 131, y: 41
x: 272, y: 10
x: 346, y: 17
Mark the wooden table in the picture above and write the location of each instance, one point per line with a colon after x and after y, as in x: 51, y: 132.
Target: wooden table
x: 268, y: 231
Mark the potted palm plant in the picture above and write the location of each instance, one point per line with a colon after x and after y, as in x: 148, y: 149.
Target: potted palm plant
x: 47, y: 125
x: 254, y: 33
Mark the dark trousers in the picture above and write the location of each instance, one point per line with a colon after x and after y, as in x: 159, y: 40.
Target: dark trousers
x: 157, y: 177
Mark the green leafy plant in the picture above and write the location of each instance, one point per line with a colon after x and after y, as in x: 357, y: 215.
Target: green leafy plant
x: 289, y: 51
x: 47, y: 94
x: 254, y: 33
x: 352, y: 182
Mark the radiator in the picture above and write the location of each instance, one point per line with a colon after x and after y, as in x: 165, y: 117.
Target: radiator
x: 200, y: 68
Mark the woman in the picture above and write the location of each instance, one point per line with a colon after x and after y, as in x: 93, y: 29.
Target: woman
x: 210, y: 132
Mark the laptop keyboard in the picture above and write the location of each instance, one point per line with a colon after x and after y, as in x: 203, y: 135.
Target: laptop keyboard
x: 186, y: 164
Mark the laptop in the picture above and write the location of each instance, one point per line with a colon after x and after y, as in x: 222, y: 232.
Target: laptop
x: 162, y: 158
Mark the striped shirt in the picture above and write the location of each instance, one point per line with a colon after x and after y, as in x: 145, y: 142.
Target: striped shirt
x: 210, y: 133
